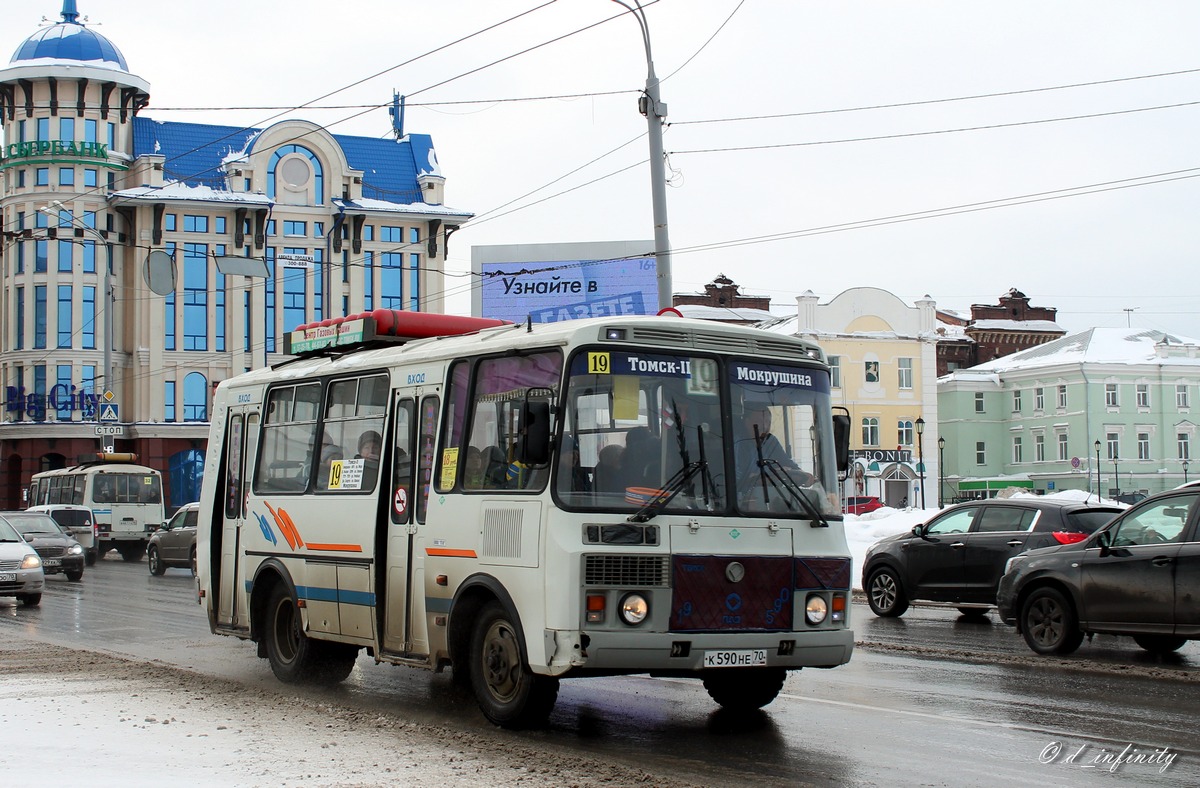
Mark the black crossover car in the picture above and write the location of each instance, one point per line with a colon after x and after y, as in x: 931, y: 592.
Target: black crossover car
x: 1139, y: 576
x: 959, y: 555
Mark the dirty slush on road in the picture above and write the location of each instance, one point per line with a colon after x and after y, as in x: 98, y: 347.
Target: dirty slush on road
x: 129, y: 722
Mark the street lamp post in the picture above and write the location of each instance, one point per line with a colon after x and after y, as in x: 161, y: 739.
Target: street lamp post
x: 1117, y: 476
x: 941, y: 469
x: 56, y: 212
x: 1097, y: 471
x: 921, y: 456
x: 656, y: 113
x: 1185, y: 467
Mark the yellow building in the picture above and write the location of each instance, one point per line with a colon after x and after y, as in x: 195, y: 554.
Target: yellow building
x: 884, y: 360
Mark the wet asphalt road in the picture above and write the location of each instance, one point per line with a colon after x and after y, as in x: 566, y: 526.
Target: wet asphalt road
x: 932, y: 698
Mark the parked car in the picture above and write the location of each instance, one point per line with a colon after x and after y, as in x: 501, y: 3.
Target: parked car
x: 78, y: 520
x: 959, y: 555
x: 175, y: 543
x: 862, y: 505
x: 1138, y: 576
x: 21, y: 572
x: 54, y: 544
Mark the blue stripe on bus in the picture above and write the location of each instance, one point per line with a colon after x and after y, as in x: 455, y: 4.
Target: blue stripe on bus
x: 318, y: 594
x: 435, y: 605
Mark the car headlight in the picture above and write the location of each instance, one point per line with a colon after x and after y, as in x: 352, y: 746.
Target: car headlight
x: 1013, y: 562
x: 634, y: 609
x: 815, y: 609
x: 75, y: 549
x: 31, y: 562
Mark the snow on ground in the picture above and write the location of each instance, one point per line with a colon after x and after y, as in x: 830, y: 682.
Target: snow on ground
x: 864, y: 530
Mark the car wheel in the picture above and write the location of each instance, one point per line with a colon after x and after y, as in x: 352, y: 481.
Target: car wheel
x: 1160, y: 644
x: 102, y: 551
x: 744, y: 689
x: 295, y: 658
x: 90, y: 558
x: 192, y: 561
x: 31, y: 600
x: 1049, y: 624
x: 508, y: 692
x: 75, y: 577
x: 154, y: 561
x: 884, y: 594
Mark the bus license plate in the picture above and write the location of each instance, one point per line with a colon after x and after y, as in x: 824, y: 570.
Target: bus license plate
x: 735, y: 659
x: 8, y: 577
x: 52, y: 562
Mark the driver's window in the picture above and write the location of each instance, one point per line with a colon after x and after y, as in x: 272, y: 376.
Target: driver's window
x: 957, y: 522
x: 1157, y: 523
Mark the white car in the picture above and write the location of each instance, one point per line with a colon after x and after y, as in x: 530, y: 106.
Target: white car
x: 21, y: 572
x: 76, y: 519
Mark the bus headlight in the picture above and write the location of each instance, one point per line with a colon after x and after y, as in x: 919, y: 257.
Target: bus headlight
x: 634, y: 609
x: 815, y: 609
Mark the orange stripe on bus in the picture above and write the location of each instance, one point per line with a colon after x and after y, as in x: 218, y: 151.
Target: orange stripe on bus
x: 337, y: 548
x: 449, y: 552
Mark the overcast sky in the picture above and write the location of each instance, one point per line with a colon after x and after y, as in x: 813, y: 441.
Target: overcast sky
x: 1093, y: 256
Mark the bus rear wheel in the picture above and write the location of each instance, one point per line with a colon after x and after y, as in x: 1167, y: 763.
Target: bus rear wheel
x: 296, y: 658
x: 509, y: 694
x: 744, y: 689
x: 132, y: 551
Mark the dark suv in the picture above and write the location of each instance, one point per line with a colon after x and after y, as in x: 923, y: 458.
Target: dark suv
x: 959, y: 555
x: 1138, y: 576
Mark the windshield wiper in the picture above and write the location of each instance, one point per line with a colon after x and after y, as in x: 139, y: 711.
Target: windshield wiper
x: 780, y: 479
x: 668, y: 492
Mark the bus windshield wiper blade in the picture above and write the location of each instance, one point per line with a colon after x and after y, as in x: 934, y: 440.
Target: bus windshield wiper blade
x: 672, y: 488
x: 782, y: 480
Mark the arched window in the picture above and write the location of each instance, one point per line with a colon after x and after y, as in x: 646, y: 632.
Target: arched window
x: 195, y: 398
x: 295, y: 176
x: 52, y: 462
x: 186, y: 472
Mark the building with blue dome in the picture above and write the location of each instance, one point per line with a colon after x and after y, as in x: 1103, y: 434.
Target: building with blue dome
x: 147, y: 260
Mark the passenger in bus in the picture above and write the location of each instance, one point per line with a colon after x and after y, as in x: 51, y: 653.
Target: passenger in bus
x: 473, y: 469
x: 572, y: 477
x: 641, y: 460
x: 609, y: 473
x: 747, y: 453
x: 330, y: 452
x: 495, y: 468
x: 369, y: 446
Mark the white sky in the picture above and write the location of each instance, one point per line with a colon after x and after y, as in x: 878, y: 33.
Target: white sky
x: 1091, y: 256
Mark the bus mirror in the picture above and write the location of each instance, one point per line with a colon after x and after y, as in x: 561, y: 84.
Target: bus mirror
x: 533, y: 441
x: 841, y: 438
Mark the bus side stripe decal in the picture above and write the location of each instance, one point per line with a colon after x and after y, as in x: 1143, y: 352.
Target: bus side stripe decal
x: 449, y: 552
x: 318, y: 594
x: 337, y: 548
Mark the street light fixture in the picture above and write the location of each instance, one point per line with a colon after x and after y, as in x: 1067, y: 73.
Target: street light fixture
x: 941, y: 469
x: 1097, y: 471
x: 1185, y: 467
x: 57, y: 212
x: 656, y: 114
x: 921, y: 456
x: 1117, y: 476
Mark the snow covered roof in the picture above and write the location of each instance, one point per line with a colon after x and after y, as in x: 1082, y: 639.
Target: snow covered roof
x: 1102, y: 346
x: 701, y: 312
x: 1018, y: 325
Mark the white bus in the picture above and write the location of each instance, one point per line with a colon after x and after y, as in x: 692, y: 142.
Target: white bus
x: 584, y: 498
x: 125, y: 498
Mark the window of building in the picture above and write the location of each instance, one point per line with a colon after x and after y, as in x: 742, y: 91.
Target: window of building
x: 980, y: 453
x: 195, y: 397
x: 89, y: 178
x: 318, y: 229
x: 65, y: 313
x: 295, y: 293
x: 186, y: 471
x: 66, y: 176
x: 318, y: 285
x: 1110, y: 395
x: 63, y: 384
x: 369, y: 280
x: 870, y: 432
x: 835, y: 371
x: 43, y: 129
x: 1062, y: 446
x: 112, y: 136
x: 1039, y: 398
x: 219, y: 225
x: 66, y: 129
x: 1143, y: 445
x: 1113, y: 440
x: 1062, y: 396
x: 219, y: 319
x: 1016, y: 400
x: 19, y: 313
x: 21, y: 178
x: 195, y: 224
x: 66, y: 255
x: 1183, y: 445
x: 391, y: 235
x: 39, y: 317
x: 904, y: 433
x: 1039, y: 448
x: 169, y: 223
x: 269, y: 298
x: 1016, y: 449
x: 295, y: 171
x: 414, y: 282
x: 904, y: 370
x: 195, y: 302
x: 295, y: 228
x: 87, y: 326
x: 1143, y: 395
x: 1181, y: 396
x: 391, y: 282
x: 368, y: 232
x: 89, y: 131
x: 41, y: 256
x: 41, y: 176
x: 979, y: 402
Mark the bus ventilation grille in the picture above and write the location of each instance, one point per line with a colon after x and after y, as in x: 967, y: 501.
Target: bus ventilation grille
x: 639, y: 571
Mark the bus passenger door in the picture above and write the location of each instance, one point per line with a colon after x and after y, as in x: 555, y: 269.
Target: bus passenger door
x: 241, y: 438
x: 397, y: 562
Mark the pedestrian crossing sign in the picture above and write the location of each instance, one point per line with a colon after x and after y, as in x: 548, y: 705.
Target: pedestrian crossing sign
x: 108, y: 412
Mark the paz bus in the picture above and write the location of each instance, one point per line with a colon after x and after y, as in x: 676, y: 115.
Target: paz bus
x: 524, y: 503
x: 126, y: 500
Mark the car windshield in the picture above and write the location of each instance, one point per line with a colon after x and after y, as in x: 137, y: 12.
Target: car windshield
x: 1088, y: 520
x: 650, y: 432
x: 7, y: 533
x: 35, y: 525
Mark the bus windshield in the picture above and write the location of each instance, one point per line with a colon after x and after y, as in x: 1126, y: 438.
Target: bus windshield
x: 716, y: 435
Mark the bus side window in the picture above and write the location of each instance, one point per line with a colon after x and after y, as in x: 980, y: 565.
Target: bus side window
x: 427, y: 431
x: 402, y: 466
x: 289, y: 434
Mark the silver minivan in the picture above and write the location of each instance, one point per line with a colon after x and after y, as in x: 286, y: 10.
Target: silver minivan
x: 76, y: 519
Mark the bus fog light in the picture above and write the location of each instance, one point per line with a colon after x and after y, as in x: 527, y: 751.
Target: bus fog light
x: 634, y: 609
x: 815, y: 609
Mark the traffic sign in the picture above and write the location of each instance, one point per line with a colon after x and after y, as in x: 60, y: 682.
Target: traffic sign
x: 108, y: 412
x: 110, y: 429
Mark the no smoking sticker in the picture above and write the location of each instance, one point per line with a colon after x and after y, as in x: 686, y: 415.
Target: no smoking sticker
x: 400, y: 501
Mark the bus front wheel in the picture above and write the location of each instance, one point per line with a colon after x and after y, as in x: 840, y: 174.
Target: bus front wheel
x: 744, y: 689
x: 296, y: 658
x: 509, y: 694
